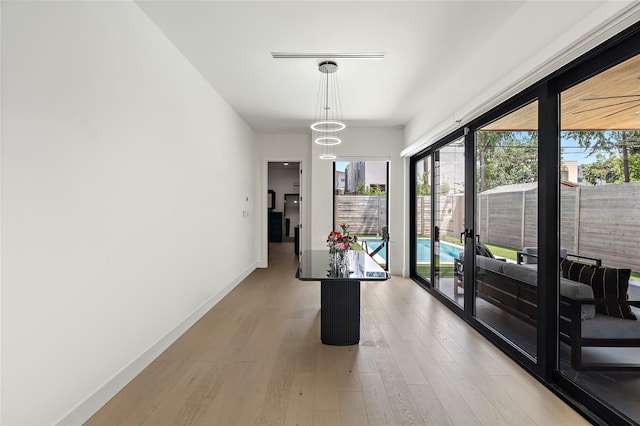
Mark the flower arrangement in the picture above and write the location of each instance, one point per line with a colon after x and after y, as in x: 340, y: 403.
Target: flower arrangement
x: 339, y: 244
x: 342, y: 241
x: 336, y: 241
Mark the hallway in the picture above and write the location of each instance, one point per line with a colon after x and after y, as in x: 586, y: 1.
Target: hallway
x: 256, y: 358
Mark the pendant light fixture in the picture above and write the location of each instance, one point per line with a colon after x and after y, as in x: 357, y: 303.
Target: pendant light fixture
x: 328, y: 119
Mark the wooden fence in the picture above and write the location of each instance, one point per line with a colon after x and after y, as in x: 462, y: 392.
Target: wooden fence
x: 604, y: 222
x: 365, y: 214
x: 508, y: 218
x: 449, y: 217
x: 598, y: 221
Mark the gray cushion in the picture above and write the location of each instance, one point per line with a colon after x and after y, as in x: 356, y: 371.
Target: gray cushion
x: 521, y: 273
x: 579, y: 291
x: 489, y: 263
x: 533, y: 266
x: 608, y: 327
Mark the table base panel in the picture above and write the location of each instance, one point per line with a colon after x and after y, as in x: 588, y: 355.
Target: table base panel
x: 340, y: 312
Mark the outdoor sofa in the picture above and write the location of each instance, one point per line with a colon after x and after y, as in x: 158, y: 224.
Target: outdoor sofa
x: 512, y: 287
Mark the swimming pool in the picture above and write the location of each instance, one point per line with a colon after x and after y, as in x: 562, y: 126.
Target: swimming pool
x: 448, y: 251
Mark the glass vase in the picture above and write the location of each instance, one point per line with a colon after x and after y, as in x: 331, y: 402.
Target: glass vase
x: 339, y: 263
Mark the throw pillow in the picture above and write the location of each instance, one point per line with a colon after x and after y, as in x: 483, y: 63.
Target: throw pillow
x: 577, y: 271
x: 612, y: 284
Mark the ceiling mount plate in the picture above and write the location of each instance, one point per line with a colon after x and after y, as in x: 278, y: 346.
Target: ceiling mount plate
x: 328, y: 67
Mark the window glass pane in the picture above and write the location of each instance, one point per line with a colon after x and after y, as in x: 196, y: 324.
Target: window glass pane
x: 423, y: 217
x: 360, y: 201
x: 506, y: 227
x: 599, y: 208
x: 449, y: 220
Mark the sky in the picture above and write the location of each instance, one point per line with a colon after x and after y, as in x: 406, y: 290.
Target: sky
x: 340, y: 165
x: 574, y: 152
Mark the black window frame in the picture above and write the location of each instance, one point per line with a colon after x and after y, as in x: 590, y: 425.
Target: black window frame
x: 547, y: 91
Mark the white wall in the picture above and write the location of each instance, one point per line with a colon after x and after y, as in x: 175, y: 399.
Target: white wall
x: 117, y: 207
x: 363, y: 144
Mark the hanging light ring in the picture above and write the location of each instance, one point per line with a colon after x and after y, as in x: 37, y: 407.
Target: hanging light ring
x: 327, y: 140
x: 328, y: 156
x: 328, y: 126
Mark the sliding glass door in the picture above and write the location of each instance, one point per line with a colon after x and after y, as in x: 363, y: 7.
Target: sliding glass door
x: 448, y: 217
x: 439, y: 212
x: 599, y: 239
x: 551, y: 269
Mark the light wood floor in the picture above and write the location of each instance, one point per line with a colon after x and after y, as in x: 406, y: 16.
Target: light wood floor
x: 256, y: 358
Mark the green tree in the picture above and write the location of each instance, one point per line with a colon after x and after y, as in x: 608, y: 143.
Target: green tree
x: 564, y: 172
x: 485, y: 144
x: 611, y: 169
x: 376, y: 190
x: 603, y: 170
x: 634, y: 166
x: 423, y: 187
x: 613, y: 143
x: 506, y: 158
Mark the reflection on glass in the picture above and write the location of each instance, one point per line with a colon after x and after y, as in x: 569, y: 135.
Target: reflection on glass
x: 423, y: 217
x: 448, y: 217
x: 506, y: 220
x: 599, y: 208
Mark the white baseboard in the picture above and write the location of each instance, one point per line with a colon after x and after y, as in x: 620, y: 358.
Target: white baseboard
x: 87, y: 408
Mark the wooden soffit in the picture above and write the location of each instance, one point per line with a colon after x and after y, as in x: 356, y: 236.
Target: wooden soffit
x: 607, y: 101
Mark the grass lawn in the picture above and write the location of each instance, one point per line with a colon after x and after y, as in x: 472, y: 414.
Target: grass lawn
x: 446, y: 271
x: 498, y: 251
x: 503, y: 251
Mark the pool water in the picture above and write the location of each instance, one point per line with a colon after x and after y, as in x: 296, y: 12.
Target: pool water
x: 448, y: 251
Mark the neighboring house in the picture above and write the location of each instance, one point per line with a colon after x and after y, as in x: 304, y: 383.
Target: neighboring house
x: 571, y: 171
x: 371, y: 173
x: 340, y: 182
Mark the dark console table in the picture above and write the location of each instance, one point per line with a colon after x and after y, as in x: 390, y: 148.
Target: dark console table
x: 339, y: 293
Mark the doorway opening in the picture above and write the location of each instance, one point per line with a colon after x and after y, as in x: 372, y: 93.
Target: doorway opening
x: 284, y: 200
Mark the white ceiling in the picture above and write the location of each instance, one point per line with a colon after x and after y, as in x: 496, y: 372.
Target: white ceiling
x: 438, y: 54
